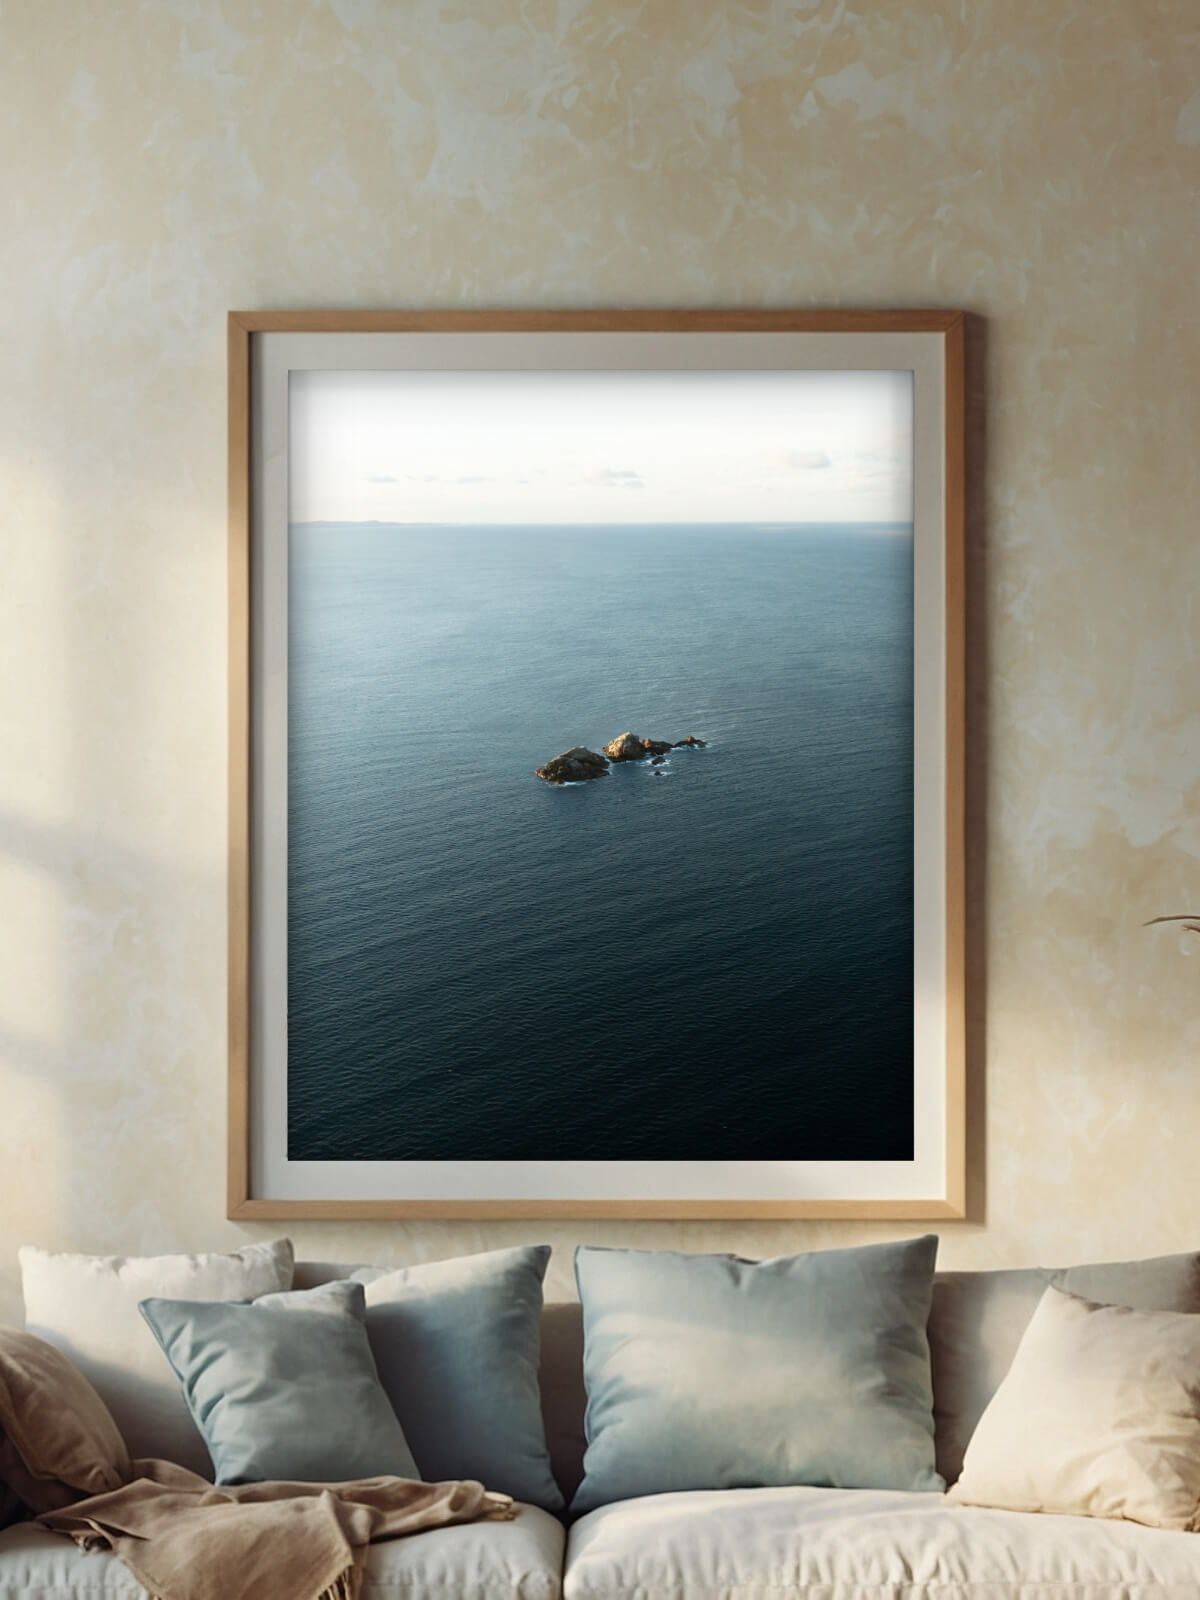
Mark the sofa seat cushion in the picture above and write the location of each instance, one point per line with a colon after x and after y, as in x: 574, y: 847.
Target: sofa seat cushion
x: 36, y: 1565
x: 475, y: 1561
x: 865, y: 1544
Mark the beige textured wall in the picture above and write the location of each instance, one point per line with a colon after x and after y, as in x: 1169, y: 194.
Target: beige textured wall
x: 164, y: 160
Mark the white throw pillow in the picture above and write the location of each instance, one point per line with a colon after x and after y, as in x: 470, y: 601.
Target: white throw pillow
x: 1099, y: 1416
x: 87, y: 1307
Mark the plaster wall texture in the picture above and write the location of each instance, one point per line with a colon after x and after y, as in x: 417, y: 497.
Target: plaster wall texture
x: 165, y: 160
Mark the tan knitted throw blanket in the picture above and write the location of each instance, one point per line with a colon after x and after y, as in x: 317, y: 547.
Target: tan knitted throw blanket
x: 183, y: 1539
x: 63, y: 1458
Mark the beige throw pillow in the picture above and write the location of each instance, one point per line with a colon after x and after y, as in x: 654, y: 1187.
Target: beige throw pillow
x: 87, y: 1307
x: 58, y: 1441
x: 977, y: 1319
x: 1099, y: 1416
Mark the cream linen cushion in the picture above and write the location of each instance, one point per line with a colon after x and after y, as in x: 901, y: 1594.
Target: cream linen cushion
x: 977, y: 1318
x: 87, y: 1307
x: 1099, y: 1416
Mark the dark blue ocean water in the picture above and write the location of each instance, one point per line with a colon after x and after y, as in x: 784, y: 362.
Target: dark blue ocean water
x: 715, y: 964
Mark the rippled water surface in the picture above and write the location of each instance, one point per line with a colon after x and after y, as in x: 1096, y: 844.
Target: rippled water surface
x: 715, y: 963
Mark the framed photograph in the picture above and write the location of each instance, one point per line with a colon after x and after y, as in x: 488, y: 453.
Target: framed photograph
x: 596, y: 749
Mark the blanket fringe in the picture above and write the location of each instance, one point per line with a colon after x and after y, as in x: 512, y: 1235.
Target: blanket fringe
x: 496, y: 1508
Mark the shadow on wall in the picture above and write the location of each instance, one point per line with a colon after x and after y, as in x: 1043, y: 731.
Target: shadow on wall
x: 977, y: 710
x: 111, y: 820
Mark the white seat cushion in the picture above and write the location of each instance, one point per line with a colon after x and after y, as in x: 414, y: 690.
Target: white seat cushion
x: 473, y: 1561
x: 36, y: 1565
x: 865, y: 1544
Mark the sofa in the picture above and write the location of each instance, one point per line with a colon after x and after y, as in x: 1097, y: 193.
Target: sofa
x: 760, y: 1543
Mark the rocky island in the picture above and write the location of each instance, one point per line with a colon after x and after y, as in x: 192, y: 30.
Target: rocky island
x: 579, y: 764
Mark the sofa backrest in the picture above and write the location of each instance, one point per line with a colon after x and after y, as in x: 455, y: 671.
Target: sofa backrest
x: 564, y: 1398
x: 975, y: 1324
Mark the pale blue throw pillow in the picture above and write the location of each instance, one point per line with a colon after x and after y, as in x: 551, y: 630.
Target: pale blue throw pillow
x: 708, y: 1372
x: 284, y: 1387
x: 457, y: 1344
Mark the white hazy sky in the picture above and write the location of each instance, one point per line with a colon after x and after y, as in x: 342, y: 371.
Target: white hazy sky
x: 600, y: 447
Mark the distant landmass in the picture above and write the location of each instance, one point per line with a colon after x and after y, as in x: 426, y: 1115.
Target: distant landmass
x: 579, y: 764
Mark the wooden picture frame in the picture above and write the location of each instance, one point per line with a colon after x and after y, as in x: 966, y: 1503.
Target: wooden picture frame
x: 264, y: 348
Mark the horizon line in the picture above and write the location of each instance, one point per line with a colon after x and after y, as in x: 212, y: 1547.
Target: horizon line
x: 690, y: 522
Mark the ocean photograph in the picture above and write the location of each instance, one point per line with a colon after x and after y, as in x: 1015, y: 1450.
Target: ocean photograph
x: 703, y: 953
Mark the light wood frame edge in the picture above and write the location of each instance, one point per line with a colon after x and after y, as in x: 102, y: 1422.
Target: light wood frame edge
x: 583, y: 1210
x: 238, y: 893
x: 954, y: 450
x: 241, y: 1205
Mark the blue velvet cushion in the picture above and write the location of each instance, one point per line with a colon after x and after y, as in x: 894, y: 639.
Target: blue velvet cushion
x: 708, y: 1372
x: 285, y: 1386
x: 457, y: 1344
